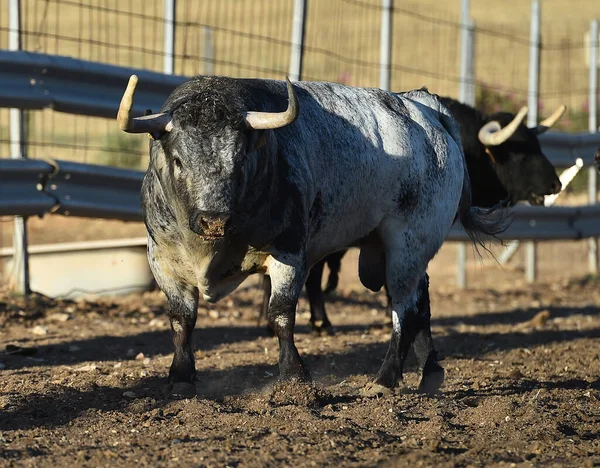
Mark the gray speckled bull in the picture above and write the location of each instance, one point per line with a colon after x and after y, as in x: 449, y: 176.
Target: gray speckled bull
x: 236, y: 186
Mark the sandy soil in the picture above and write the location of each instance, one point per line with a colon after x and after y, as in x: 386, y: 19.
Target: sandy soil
x: 81, y: 384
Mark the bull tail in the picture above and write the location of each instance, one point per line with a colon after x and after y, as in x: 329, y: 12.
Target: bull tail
x: 480, y: 223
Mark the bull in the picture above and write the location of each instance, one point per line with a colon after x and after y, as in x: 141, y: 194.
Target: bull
x: 505, y: 163
x: 236, y: 186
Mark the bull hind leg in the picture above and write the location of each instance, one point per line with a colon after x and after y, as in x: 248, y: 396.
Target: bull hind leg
x: 319, y: 321
x: 406, y: 261
x: 264, y: 307
x: 432, y: 374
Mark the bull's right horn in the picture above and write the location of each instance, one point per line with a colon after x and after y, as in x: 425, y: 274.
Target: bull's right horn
x: 493, y: 134
x: 154, y: 123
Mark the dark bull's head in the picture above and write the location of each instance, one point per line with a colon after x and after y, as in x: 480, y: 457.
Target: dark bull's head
x: 517, y: 156
x: 208, y: 152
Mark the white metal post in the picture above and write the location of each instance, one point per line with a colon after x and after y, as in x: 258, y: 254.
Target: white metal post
x: 208, y: 56
x: 298, y: 28
x: 532, y: 101
x: 593, y: 128
x: 385, y: 51
x: 467, y: 96
x: 20, y: 269
x: 169, y: 37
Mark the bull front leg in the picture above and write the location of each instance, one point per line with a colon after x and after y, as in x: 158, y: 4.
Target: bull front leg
x: 287, y: 279
x: 182, y: 311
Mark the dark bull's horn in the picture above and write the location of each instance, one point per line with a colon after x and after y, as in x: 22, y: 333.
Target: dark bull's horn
x: 550, y: 121
x: 271, y: 120
x: 493, y: 134
x: 146, y: 124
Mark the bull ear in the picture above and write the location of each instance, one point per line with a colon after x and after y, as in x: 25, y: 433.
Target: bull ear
x: 493, y: 134
x: 548, y: 123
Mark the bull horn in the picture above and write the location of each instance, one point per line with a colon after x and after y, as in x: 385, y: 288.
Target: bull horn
x: 550, y: 121
x: 272, y: 120
x: 148, y: 123
x: 493, y: 134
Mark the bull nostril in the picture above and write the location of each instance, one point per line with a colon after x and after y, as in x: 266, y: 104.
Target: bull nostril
x: 203, y: 224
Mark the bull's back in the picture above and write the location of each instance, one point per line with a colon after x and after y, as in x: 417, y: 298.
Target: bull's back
x: 373, y: 154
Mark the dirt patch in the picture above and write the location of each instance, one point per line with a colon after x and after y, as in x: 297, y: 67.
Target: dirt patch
x: 82, y: 384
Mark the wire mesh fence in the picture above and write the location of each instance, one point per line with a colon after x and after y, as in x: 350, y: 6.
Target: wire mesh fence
x: 342, y: 44
x: 243, y: 38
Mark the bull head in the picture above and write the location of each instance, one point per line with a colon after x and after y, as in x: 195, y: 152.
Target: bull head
x: 493, y: 134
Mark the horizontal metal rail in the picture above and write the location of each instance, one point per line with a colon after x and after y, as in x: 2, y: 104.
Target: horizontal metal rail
x: 38, y: 81
x: 32, y: 187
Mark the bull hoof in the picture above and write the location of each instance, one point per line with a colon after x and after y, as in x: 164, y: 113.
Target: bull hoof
x: 432, y: 381
x: 322, y: 329
x: 180, y: 389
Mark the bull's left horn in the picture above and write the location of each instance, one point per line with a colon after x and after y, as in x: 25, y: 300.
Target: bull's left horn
x: 550, y: 121
x: 493, y: 134
x: 148, y: 123
x: 271, y: 120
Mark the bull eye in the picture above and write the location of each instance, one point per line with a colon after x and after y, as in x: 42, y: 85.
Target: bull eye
x: 177, y: 163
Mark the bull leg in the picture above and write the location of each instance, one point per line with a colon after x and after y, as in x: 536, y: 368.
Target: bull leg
x: 406, y: 261
x: 264, y: 307
x: 287, y: 280
x: 432, y: 373
x: 318, y: 317
x: 183, y: 310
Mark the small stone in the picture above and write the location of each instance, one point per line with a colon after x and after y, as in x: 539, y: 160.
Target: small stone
x: 143, y: 373
x: 158, y: 323
x: 59, y: 317
x: 39, y: 330
x: 213, y: 314
x: 88, y: 368
x: 146, y: 361
x: 129, y: 394
x: 118, y: 365
x: 507, y: 418
x: 139, y: 357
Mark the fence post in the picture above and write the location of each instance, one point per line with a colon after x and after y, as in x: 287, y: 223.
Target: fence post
x: 208, y: 56
x: 532, y: 102
x: 467, y: 96
x: 169, y: 37
x: 298, y: 28
x: 385, y: 41
x: 593, y: 128
x: 20, y: 268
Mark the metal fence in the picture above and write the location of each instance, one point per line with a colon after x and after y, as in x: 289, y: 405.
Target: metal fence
x: 498, y: 55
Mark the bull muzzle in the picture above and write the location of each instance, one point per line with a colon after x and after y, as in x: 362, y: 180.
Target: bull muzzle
x: 209, y: 224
